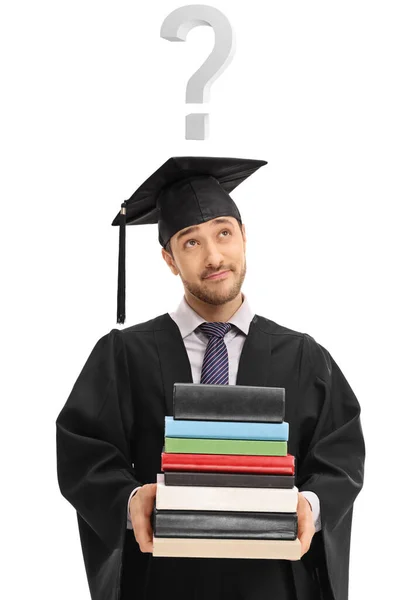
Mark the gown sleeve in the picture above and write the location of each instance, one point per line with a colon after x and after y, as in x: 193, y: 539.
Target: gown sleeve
x: 330, y: 463
x: 93, y: 432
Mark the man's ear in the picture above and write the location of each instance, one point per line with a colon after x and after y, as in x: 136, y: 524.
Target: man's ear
x: 166, y: 256
x: 170, y: 261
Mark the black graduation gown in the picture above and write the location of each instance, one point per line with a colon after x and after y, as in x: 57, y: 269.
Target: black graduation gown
x: 109, y: 438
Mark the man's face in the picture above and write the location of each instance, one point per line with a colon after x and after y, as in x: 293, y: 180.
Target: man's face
x: 212, y: 247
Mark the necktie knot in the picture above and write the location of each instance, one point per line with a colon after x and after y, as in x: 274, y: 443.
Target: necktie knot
x: 215, y: 329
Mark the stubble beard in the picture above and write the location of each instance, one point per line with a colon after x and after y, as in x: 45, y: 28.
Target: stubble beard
x: 216, y: 294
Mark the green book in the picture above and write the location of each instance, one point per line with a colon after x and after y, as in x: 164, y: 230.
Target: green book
x: 223, y: 446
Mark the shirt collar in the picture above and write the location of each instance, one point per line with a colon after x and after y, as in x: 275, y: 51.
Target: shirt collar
x: 188, y: 319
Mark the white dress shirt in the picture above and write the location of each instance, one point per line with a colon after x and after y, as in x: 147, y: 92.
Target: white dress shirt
x: 196, y: 342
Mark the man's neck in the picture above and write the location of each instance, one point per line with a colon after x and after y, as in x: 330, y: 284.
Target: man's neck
x: 211, y: 312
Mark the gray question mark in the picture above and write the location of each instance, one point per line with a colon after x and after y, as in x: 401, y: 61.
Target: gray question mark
x: 175, y: 28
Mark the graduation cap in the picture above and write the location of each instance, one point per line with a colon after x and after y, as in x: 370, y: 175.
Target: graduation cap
x: 184, y: 191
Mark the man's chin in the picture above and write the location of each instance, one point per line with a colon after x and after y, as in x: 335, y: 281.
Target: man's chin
x: 218, y: 297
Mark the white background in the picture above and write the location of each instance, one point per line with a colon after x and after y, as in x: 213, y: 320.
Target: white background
x: 92, y: 102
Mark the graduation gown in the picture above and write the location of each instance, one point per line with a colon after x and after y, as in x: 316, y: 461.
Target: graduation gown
x: 110, y: 434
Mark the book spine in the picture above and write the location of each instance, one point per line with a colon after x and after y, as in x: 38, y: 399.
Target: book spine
x: 225, y: 524
x: 213, y: 402
x: 226, y: 430
x: 227, y: 548
x: 216, y: 446
x: 225, y: 499
x: 274, y: 465
x: 220, y: 479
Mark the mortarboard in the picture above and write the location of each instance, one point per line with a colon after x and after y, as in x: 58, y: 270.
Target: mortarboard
x: 184, y: 191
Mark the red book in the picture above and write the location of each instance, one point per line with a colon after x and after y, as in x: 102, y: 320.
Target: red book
x: 228, y: 463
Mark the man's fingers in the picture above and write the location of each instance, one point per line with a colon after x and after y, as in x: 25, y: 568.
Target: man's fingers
x: 145, y: 540
x: 143, y: 533
x: 142, y: 527
x: 305, y: 541
x: 305, y: 531
x: 305, y: 524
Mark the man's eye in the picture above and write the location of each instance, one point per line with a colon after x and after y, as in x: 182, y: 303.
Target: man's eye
x: 227, y: 230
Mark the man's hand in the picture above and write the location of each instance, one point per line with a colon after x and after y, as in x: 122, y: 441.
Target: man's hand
x: 306, y: 525
x: 140, y: 509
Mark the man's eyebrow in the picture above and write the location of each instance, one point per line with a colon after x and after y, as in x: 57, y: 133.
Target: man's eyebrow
x: 196, y: 227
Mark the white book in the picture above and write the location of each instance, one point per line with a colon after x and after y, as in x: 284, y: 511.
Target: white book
x: 187, y: 497
x: 227, y: 548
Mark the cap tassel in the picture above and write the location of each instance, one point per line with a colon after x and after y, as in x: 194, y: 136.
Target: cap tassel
x: 121, y: 312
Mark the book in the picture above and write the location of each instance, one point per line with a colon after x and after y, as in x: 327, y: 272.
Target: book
x: 216, y: 446
x: 205, y: 478
x: 226, y: 429
x: 225, y: 524
x: 227, y: 548
x: 225, y: 498
x: 229, y: 463
x: 215, y: 402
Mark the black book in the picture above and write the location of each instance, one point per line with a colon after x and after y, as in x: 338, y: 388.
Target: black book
x: 217, y: 479
x: 214, y: 402
x: 225, y: 524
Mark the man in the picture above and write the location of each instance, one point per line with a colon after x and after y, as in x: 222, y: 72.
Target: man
x: 110, y: 433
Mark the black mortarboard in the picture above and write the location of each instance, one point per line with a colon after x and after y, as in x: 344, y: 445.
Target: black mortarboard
x: 184, y: 191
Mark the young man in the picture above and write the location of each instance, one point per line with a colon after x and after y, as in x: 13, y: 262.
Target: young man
x: 110, y: 433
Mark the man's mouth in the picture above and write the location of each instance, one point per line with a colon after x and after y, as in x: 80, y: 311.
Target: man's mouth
x: 219, y: 275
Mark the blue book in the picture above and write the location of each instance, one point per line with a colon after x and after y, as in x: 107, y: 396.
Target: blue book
x: 230, y: 430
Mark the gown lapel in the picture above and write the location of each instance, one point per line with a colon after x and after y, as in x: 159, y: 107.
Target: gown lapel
x: 253, y: 366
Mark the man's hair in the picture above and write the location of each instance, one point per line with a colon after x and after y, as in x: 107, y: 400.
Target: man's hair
x: 168, y: 244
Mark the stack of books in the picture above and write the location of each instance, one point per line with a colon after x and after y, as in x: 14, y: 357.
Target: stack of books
x: 227, y: 484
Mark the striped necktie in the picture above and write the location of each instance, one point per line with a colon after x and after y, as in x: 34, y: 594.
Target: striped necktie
x: 215, y: 362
